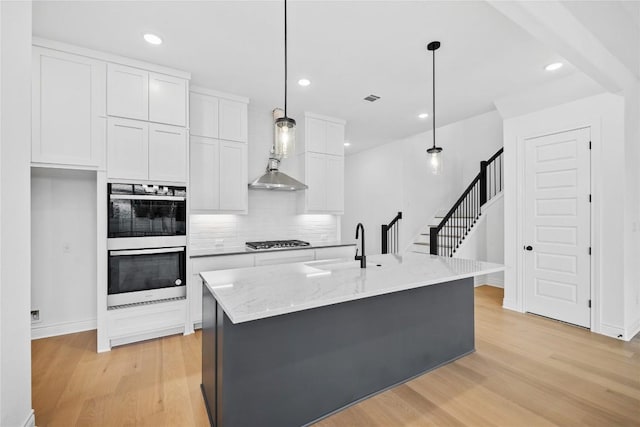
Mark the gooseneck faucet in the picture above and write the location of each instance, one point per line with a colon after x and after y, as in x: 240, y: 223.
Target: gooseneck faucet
x: 362, y: 258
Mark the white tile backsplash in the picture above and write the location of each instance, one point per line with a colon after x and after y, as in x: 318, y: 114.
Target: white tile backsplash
x: 272, y: 215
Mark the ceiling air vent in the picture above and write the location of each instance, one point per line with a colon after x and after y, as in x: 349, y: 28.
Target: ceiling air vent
x: 372, y: 98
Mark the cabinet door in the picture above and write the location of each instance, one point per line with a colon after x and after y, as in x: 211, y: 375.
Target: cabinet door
x: 315, y: 135
x: 204, y: 173
x: 284, y: 257
x: 233, y: 176
x: 167, y: 153
x: 203, y: 115
x: 316, y: 180
x: 127, y: 92
x: 335, y: 183
x: 127, y: 149
x: 68, y: 102
x: 335, y: 138
x: 167, y: 99
x: 233, y: 120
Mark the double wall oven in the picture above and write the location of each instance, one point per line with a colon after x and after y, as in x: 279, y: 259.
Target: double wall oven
x: 146, y: 242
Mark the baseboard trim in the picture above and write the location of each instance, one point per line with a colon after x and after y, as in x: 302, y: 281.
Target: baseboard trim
x: 31, y: 420
x: 511, y: 305
x: 633, y: 330
x: 492, y: 279
x: 612, y: 331
x: 62, y: 328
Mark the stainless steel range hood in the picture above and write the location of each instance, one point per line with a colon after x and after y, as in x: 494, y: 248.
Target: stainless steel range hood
x: 273, y: 179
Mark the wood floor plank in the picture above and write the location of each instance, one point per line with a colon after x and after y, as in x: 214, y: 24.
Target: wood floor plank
x: 527, y: 371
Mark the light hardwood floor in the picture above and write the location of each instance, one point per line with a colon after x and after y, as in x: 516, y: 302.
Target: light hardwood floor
x: 526, y: 371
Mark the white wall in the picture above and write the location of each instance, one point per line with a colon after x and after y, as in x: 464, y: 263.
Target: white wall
x: 395, y: 177
x: 605, y: 115
x: 272, y: 214
x: 15, y: 143
x: 63, y: 250
x: 485, y: 242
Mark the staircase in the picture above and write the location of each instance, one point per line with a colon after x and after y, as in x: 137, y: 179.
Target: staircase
x: 447, y: 230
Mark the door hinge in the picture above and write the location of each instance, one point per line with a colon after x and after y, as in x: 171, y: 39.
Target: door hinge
x: 589, y: 303
x: 589, y: 250
x: 589, y: 145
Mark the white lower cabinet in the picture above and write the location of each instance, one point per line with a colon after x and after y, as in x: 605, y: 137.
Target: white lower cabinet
x: 142, y: 322
x: 224, y: 262
x: 201, y: 264
x: 127, y: 149
x: 167, y: 153
x: 218, y: 176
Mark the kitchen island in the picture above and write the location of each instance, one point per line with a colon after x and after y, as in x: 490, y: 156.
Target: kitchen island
x: 287, y: 345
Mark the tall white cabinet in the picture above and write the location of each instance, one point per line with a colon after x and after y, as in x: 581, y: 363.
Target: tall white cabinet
x: 218, y: 145
x: 321, y: 158
x: 68, y: 110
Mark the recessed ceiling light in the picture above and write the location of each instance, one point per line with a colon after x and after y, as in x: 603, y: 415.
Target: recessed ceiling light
x: 152, y: 38
x: 554, y: 66
x: 304, y: 82
x: 346, y: 144
x: 423, y: 115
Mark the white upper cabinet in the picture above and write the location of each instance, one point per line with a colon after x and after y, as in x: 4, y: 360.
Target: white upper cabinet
x: 138, y: 94
x: 127, y: 92
x: 204, y: 171
x: 203, y: 115
x: 324, y: 174
x: 323, y: 135
x: 167, y: 153
x: 128, y: 149
x: 233, y: 120
x: 218, y: 159
x: 315, y: 178
x: 167, y: 99
x: 233, y: 176
x: 68, y: 109
x: 334, y: 183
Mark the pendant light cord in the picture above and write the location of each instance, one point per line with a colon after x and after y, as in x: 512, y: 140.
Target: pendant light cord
x: 434, y: 98
x: 285, y: 58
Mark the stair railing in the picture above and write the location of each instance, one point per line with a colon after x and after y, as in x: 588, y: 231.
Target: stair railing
x: 446, y: 237
x: 390, y: 235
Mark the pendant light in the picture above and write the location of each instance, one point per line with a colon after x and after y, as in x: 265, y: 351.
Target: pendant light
x: 435, y: 153
x: 285, y: 127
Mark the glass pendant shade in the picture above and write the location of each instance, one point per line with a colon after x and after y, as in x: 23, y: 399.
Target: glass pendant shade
x: 435, y: 162
x: 285, y: 137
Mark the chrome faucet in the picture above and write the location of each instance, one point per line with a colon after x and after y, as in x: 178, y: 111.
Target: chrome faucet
x: 362, y: 258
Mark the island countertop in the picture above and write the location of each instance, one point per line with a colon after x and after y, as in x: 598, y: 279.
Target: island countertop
x: 247, y: 294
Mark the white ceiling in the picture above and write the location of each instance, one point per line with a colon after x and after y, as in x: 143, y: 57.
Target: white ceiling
x: 348, y: 49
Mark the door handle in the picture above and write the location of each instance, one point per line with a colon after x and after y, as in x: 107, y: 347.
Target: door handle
x: 528, y: 248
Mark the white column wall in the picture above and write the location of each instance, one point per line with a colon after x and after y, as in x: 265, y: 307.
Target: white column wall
x: 15, y: 152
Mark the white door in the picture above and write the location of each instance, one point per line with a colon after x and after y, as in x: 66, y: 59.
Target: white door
x: 233, y: 176
x: 557, y: 226
x: 203, y: 115
x: 127, y: 92
x: 167, y: 153
x: 167, y: 99
x: 232, y: 123
x: 68, y: 94
x: 335, y: 183
x: 127, y: 149
x: 204, y: 170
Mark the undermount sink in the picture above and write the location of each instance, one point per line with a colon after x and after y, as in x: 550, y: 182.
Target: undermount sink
x: 334, y: 265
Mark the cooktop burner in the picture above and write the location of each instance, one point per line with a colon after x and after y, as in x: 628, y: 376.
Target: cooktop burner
x: 277, y: 244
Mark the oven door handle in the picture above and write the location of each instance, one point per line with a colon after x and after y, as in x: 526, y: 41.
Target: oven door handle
x: 146, y: 251
x: 142, y: 197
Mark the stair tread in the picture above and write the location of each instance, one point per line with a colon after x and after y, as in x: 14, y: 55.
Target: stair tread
x: 427, y: 244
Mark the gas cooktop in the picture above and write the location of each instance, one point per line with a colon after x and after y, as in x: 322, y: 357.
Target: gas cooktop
x: 277, y: 244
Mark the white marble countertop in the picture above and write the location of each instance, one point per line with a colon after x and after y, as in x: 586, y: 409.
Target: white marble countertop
x: 235, y: 250
x: 247, y: 294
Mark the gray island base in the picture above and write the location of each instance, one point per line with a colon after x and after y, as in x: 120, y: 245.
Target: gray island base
x: 294, y: 369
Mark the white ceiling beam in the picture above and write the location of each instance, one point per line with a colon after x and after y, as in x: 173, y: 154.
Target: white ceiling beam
x: 552, y: 23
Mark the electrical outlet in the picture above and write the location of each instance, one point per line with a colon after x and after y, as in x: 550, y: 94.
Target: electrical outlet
x: 35, y: 316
